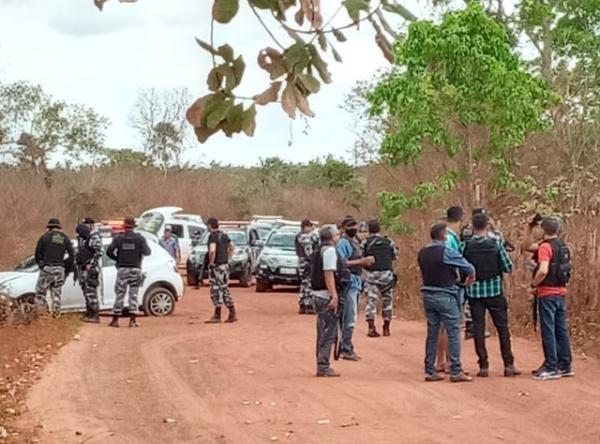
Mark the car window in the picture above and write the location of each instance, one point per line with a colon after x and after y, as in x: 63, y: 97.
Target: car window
x: 239, y: 238
x: 282, y: 239
x: 106, y: 261
x: 177, y: 230
x: 151, y: 222
x: 27, y: 265
x: 192, y: 228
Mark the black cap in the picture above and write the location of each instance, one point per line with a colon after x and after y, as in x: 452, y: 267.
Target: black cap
x: 348, y: 222
x: 306, y: 223
x: 212, y: 222
x: 89, y: 221
x: 83, y: 230
x: 129, y: 222
x: 53, y: 223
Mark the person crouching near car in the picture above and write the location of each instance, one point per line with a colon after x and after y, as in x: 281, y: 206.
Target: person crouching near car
x: 442, y: 301
x: 324, y: 283
x: 220, y: 249
x: 127, y: 250
x: 490, y: 259
x: 549, y: 286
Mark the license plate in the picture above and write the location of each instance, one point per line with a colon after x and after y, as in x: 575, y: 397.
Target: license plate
x: 291, y: 271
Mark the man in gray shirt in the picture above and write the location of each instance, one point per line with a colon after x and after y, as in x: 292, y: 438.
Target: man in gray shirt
x: 169, y: 243
x: 324, y: 288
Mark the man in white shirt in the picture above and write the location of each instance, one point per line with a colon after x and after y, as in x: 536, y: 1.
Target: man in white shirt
x: 324, y: 288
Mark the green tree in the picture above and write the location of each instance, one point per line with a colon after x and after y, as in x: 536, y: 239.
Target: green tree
x: 451, y: 79
x: 35, y: 126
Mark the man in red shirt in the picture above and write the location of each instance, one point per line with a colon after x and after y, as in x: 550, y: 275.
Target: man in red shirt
x: 550, y: 287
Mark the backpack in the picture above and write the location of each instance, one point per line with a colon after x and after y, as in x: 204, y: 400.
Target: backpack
x: 560, y: 266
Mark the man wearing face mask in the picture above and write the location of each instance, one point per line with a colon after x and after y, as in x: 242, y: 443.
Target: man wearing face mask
x: 350, y: 254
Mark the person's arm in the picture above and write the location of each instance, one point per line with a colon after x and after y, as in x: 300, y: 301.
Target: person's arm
x: 145, y: 248
x: 230, y: 249
x: 212, y: 252
x: 395, y: 250
x: 96, y: 246
x: 544, y: 257
x: 506, y: 262
x: 533, y: 239
x: 457, y: 260
x: 112, y: 250
x: 344, y: 251
x: 70, y: 254
x: 38, y: 252
x: 331, y: 288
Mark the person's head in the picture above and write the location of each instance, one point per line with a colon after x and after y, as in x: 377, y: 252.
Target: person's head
x: 329, y: 234
x: 350, y: 227
x: 551, y: 226
x: 213, y: 224
x: 129, y: 223
x: 363, y: 231
x: 53, y: 224
x: 454, y: 215
x: 196, y: 233
x: 438, y: 232
x: 480, y: 223
x: 306, y: 226
x: 478, y: 211
x: 83, y: 230
x: 90, y: 222
x: 168, y: 231
x: 374, y: 226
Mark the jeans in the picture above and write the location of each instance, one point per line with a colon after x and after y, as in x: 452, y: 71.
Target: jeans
x: 327, y: 326
x: 498, y: 308
x: 349, y: 315
x: 555, y: 333
x: 442, y: 307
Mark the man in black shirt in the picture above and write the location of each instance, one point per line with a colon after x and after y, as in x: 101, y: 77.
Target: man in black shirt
x: 89, y: 255
x: 50, y: 256
x: 128, y: 250
x: 220, y: 250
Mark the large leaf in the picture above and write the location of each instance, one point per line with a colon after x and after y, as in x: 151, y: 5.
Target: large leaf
x: 226, y: 52
x: 249, y: 121
x: 233, y: 122
x: 214, y: 81
x: 288, y: 100
x: 312, y: 11
x: 218, y: 113
x: 302, y: 103
x: 225, y: 10
x: 203, y: 133
x: 206, y: 46
x: 271, y: 94
x: 194, y: 112
x: 319, y: 64
x: 264, y: 4
x: 354, y: 7
x: 238, y: 69
x: 310, y: 83
x: 271, y: 61
x: 296, y: 58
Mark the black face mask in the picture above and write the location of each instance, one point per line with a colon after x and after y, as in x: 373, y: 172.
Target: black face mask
x: 351, y: 232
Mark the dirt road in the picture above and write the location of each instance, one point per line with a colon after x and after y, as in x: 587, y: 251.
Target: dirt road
x: 253, y: 382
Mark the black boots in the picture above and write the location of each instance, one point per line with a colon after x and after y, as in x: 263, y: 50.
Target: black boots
x: 114, y: 322
x: 216, y: 319
x: 386, y: 328
x: 232, y: 317
x: 372, y: 330
x: 93, y: 318
x: 132, y: 321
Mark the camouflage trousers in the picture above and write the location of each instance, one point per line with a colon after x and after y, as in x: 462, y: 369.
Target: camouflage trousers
x: 89, y: 282
x: 218, y: 278
x: 52, y: 278
x: 379, y: 282
x: 127, y: 278
x: 305, y: 298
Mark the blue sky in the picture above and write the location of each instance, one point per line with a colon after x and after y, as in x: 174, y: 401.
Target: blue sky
x: 102, y: 59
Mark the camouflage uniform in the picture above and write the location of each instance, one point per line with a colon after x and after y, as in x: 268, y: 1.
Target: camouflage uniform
x: 380, y: 282
x: 218, y: 278
x: 307, y: 242
x: 51, y: 277
x: 127, y: 277
x: 89, y: 280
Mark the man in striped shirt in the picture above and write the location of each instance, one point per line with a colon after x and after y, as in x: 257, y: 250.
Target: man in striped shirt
x: 491, y: 261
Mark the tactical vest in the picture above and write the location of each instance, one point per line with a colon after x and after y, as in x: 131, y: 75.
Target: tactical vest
x: 483, y: 253
x: 381, y: 249
x: 433, y: 269
x: 559, y: 271
x: 129, y: 247
x: 317, y: 275
x: 54, y: 247
x: 356, y: 254
x: 84, y: 253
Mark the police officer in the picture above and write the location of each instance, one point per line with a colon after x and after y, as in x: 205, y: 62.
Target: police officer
x: 307, y: 241
x: 50, y: 254
x: 88, y: 259
x: 128, y: 250
x: 380, y: 278
x: 220, y: 250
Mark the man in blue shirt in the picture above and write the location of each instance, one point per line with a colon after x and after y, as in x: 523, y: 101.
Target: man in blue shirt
x: 442, y: 301
x: 350, y: 254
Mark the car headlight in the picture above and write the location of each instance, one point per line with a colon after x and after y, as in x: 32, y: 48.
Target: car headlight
x: 239, y: 257
x: 269, y: 261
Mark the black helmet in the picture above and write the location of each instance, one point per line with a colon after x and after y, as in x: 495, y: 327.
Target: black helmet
x: 53, y: 223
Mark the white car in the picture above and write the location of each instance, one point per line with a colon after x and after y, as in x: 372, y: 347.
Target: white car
x: 162, y: 288
x: 183, y: 226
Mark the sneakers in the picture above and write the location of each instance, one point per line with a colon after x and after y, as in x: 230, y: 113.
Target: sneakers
x: 461, y: 377
x: 350, y: 356
x: 568, y: 373
x: 434, y: 377
x: 329, y: 373
x: 538, y: 370
x: 511, y: 371
x: 547, y: 375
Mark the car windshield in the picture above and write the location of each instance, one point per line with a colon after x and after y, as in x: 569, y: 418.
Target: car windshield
x: 282, y: 239
x: 27, y: 265
x: 151, y: 222
x: 239, y: 238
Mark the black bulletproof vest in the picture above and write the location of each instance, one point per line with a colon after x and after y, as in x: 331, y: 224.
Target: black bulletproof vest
x: 433, y: 269
x: 356, y: 254
x: 84, y: 253
x: 381, y: 249
x: 561, y: 259
x: 54, y: 247
x: 317, y: 275
x: 129, y: 250
x: 483, y: 253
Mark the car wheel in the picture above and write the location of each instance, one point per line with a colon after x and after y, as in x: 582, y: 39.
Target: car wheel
x: 159, y: 301
x: 246, y: 277
x: 192, y: 279
x: 262, y: 286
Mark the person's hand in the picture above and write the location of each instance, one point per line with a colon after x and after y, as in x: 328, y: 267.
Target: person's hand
x: 88, y: 267
x: 333, y: 303
x: 369, y: 260
x: 533, y: 291
x: 470, y: 279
